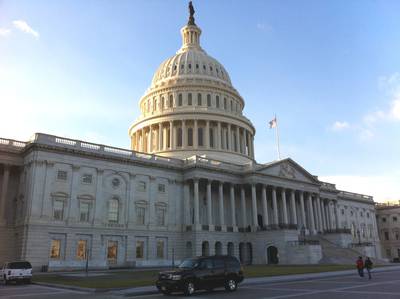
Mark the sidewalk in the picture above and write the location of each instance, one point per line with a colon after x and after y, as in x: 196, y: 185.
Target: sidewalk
x: 258, y: 280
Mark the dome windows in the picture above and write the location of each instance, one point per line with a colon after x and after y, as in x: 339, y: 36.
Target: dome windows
x: 199, y: 100
x: 190, y: 99
x: 180, y: 100
x: 217, y: 101
x: 208, y: 100
x: 171, y: 101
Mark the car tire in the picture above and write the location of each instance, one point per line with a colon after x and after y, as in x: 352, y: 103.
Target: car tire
x: 189, y: 288
x: 230, y: 285
x: 166, y: 292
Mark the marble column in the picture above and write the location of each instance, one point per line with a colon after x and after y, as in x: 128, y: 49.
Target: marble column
x: 243, y: 205
x: 229, y: 141
x: 264, y: 205
x: 160, y: 143
x: 143, y: 141
x: 321, y: 225
x: 321, y: 207
x: 293, y: 206
x: 196, y: 202
x: 221, y: 203
x: 284, y: 206
x: 4, y: 189
x: 195, y: 134
x: 186, y: 203
x: 275, y: 206
x: 246, y: 143
x: 311, y: 213
x: 150, y: 139
x: 233, y: 206
x: 207, y: 135
x: 254, y: 204
x: 303, y: 211
x: 171, y: 135
x: 209, y: 204
x: 243, y: 145
x: 331, y: 215
x: 219, y: 135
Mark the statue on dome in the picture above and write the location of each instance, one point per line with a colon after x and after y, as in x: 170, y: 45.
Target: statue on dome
x: 191, y: 14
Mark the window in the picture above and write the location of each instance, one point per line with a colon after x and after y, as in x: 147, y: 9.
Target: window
x: 394, y: 219
x: 113, y: 209
x: 160, y: 213
x: 180, y: 99
x: 55, y: 249
x: 162, y: 103
x: 141, y: 186
x: 160, y: 249
x: 81, y: 250
x: 388, y: 253
x: 161, y: 188
x: 383, y: 219
x: 211, y: 137
x: 179, y: 137
x: 87, y: 178
x: 112, y: 252
x: 396, y: 235
x: 219, y: 264
x: 199, y: 102
x: 115, y: 182
x: 351, y: 213
x: 225, y: 103
x: 140, y: 215
x: 197, y: 66
x: 84, y: 209
x: 61, y: 175
x: 387, y: 236
x: 190, y: 65
x: 209, y: 100
x: 190, y: 99
x: 217, y: 101
x: 231, y: 105
x: 139, y: 249
x: 200, y: 136
x: 58, y: 211
x: 342, y: 211
x: 171, y: 101
x: 190, y: 137
x: 367, y: 215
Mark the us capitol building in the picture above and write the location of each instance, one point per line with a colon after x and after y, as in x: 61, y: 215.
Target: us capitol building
x: 189, y: 186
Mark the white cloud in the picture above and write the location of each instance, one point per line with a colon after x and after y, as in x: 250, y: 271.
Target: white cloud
x: 395, y: 110
x: 24, y: 27
x: 383, y: 187
x: 340, y: 125
x: 264, y: 27
x: 4, y: 32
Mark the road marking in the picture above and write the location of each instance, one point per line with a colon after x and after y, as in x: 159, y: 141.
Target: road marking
x: 368, y: 292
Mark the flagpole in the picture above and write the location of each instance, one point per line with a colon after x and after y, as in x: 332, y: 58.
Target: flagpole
x: 277, y: 138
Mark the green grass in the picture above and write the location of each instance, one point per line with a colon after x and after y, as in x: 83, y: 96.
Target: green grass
x: 125, y: 279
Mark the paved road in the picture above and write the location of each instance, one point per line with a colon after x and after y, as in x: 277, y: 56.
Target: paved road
x: 383, y: 285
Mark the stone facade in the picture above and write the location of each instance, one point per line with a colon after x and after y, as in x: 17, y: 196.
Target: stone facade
x: 190, y: 186
x: 388, y: 217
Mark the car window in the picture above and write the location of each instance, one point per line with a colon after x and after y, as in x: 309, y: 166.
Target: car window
x: 19, y: 265
x: 219, y: 263
x: 233, y: 263
x: 189, y: 264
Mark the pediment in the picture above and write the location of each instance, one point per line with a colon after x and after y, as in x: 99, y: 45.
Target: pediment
x: 288, y: 169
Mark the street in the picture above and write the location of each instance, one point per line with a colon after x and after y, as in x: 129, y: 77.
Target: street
x: 383, y: 285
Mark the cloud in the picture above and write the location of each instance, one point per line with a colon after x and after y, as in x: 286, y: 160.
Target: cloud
x: 340, y: 125
x: 382, y: 187
x: 264, y: 27
x: 395, y: 109
x: 4, y: 32
x: 24, y: 27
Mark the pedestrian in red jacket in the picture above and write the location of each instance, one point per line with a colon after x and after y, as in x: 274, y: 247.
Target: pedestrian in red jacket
x: 360, y: 266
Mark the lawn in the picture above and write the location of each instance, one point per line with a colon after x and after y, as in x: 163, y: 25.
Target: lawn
x: 125, y: 279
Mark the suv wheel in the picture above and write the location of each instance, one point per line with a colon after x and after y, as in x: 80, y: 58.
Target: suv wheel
x: 189, y: 288
x: 230, y: 285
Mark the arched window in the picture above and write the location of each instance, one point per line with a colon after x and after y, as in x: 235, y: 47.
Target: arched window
x: 113, y: 210
x: 180, y: 99
x: 231, y: 249
x: 189, y: 250
x: 205, y: 249
x: 199, y: 101
x: 208, y: 100
x: 218, y: 248
x: 190, y: 99
x: 171, y: 101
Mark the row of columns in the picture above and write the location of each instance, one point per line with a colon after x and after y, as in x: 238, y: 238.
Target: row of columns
x: 321, y: 214
x: 4, y: 190
x: 167, y: 135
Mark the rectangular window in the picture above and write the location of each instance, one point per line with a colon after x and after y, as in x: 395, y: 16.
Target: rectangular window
x: 160, y: 249
x: 140, y: 215
x: 139, y: 249
x: 141, y: 186
x: 112, y: 252
x: 160, y: 216
x: 81, y: 250
x: 388, y: 253
x: 225, y: 103
x: 190, y: 99
x: 211, y: 137
x: 199, y: 101
x: 61, y: 175
x: 190, y: 137
x: 386, y: 236
x: 394, y: 219
x: 55, y: 249
x: 58, y: 212
x: 217, y: 101
x: 161, y: 188
x: 179, y: 137
x: 113, y: 209
x: 209, y: 100
x: 87, y: 178
x: 383, y: 219
x: 84, y: 212
x: 180, y: 99
x: 200, y: 136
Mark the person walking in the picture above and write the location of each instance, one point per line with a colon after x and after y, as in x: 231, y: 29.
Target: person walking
x: 360, y: 266
x: 368, y: 265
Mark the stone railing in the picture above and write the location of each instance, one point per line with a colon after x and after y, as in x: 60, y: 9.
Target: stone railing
x: 357, y: 196
x: 328, y: 185
x: 12, y: 144
x: 100, y: 149
x: 338, y: 231
x: 303, y: 243
x: 360, y: 244
x: 199, y: 160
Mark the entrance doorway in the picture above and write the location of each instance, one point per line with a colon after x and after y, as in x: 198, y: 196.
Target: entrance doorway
x: 272, y: 255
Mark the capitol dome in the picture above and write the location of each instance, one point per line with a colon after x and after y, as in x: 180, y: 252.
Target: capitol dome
x: 191, y: 108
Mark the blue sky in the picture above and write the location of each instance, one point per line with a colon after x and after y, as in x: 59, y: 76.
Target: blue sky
x: 330, y: 70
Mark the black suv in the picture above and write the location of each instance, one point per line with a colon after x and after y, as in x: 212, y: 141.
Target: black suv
x: 202, y: 273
